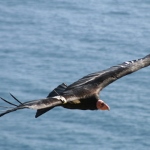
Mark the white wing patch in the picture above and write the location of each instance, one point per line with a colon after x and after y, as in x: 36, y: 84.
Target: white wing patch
x: 61, y: 98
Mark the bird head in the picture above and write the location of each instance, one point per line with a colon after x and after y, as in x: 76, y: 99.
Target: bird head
x: 101, y: 105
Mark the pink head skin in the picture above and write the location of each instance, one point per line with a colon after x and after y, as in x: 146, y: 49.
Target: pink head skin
x: 101, y: 105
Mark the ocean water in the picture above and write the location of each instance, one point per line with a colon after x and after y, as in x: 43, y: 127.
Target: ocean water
x: 44, y: 43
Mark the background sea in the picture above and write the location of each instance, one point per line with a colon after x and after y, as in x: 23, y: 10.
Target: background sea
x: 46, y: 42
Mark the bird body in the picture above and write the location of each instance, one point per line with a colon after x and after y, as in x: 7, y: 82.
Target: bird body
x: 84, y: 93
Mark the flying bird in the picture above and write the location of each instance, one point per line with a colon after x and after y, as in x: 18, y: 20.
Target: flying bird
x: 82, y: 94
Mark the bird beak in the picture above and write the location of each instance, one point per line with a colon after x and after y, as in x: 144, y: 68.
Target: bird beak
x: 102, y: 105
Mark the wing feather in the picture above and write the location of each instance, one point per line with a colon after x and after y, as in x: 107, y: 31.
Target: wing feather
x: 55, y: 92
x: 98, y: 80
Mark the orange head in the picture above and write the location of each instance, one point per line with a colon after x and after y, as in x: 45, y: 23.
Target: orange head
x: 102, y: 105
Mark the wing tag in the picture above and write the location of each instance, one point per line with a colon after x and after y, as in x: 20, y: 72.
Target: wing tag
x: 61, y: 98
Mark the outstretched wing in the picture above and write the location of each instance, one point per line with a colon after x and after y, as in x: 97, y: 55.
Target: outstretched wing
x: 41, y: 105
x: 35, y: 104
x: 57, y: 91
x: 97, y: 81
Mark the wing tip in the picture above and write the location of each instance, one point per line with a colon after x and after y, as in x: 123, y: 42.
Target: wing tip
x: 37, y: 114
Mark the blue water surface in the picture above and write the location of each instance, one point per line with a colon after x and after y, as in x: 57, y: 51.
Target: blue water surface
x: 44, y: 43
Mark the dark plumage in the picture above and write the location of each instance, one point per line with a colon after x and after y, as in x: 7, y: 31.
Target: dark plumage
x: 84, y: 93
